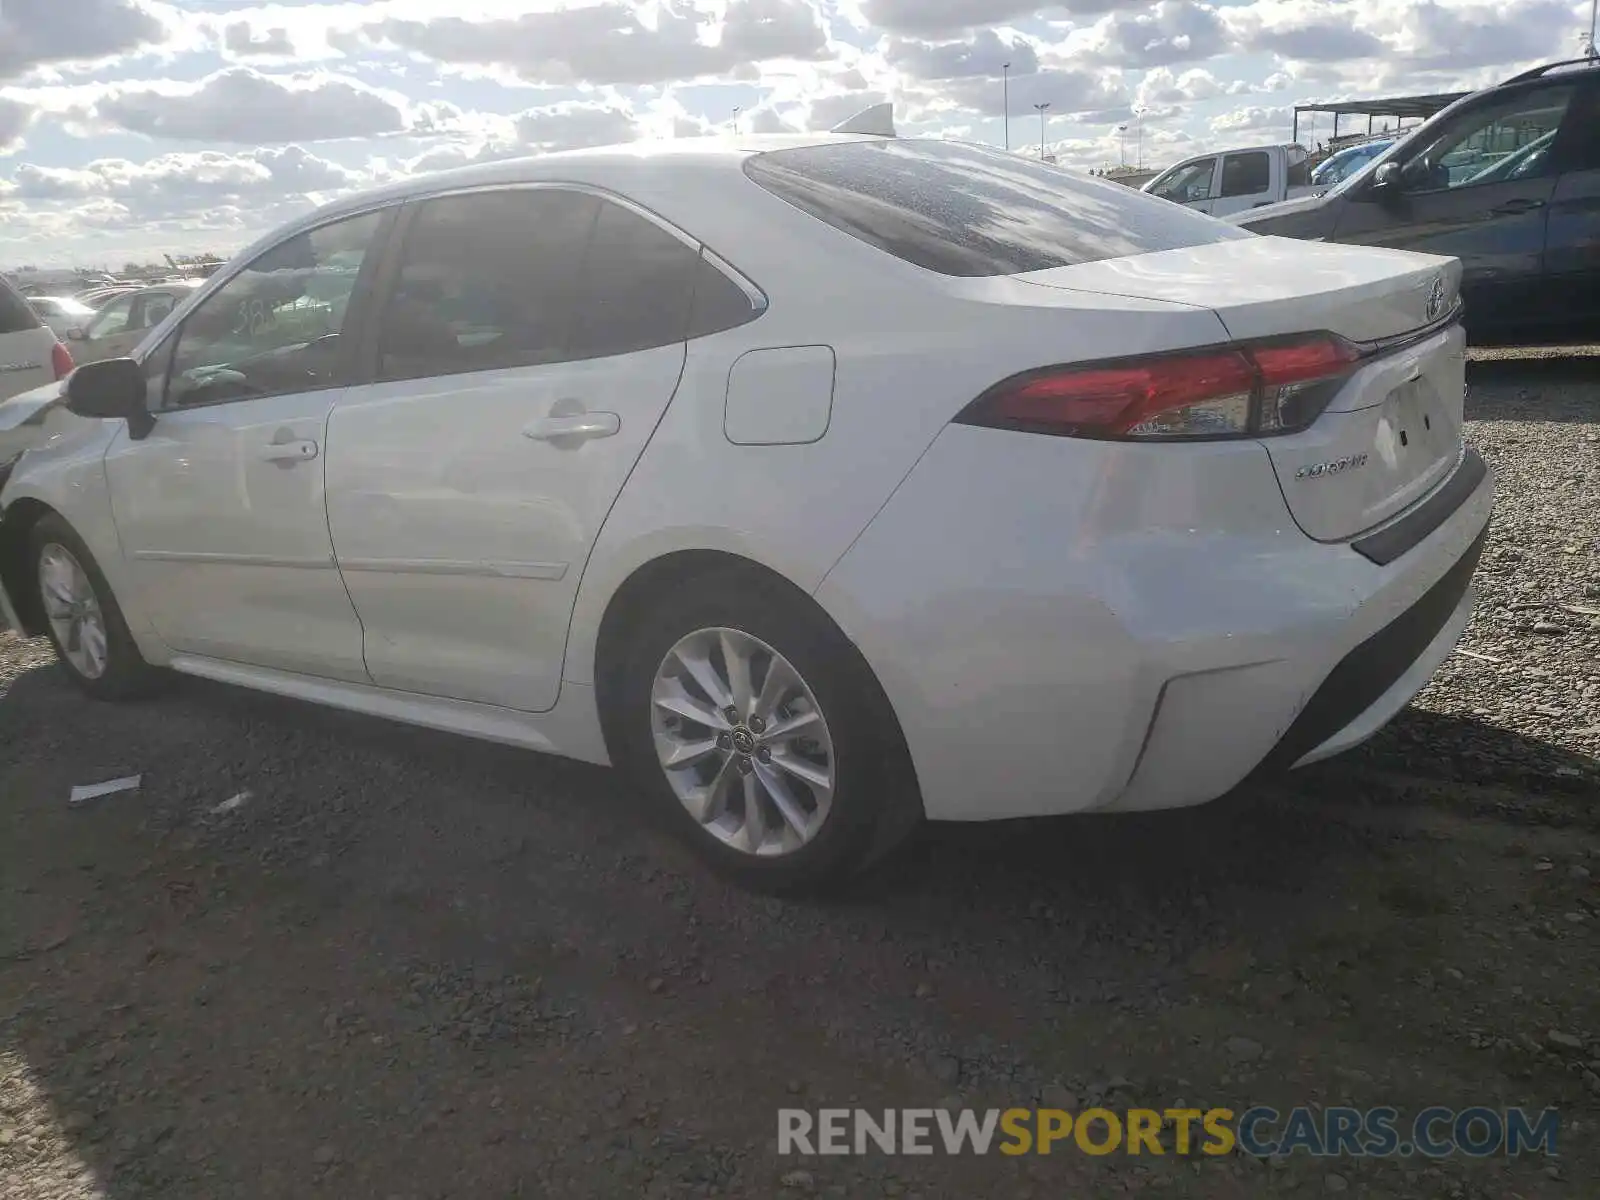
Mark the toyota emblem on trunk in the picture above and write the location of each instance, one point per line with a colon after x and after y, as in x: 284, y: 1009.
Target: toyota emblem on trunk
x: 1435, y: 298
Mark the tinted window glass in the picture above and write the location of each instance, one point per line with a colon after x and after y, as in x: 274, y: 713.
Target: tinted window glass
x: 1501, y: 138
x: 275, y: 326
x: 15, y: 315
x: 638, y: 286
x: 487, y: 281
x: 1246, y: 174
x: 967, y: 210
x: 719, y: 303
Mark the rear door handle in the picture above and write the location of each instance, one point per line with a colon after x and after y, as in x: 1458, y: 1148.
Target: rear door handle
x: 289, y: 452
x: 575, y: 428
x: 1512, y: 207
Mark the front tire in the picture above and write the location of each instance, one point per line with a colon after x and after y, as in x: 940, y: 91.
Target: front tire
x: 82, y: 617
x: 758, y: 730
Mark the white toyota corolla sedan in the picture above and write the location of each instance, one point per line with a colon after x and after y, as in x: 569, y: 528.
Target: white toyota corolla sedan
x: 824, y: 483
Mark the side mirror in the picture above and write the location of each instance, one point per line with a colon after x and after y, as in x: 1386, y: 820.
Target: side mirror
x: 113, y: 387
x: 1386, y: 180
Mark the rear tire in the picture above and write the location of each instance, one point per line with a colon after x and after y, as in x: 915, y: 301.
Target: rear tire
x: 83, y: 620
x: 806, y: 781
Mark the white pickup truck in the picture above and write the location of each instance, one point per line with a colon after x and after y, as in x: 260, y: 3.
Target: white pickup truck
x: 1232, y: 181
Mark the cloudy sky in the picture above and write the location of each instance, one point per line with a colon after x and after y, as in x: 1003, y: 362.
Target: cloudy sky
x: 131, y: 127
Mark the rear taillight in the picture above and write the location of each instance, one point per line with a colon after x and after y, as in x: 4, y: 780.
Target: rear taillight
x: 1267, y: 387
x: 61, y: 360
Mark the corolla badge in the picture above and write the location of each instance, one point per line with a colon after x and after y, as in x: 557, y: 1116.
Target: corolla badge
x: 1436, y: 299
x: 1338, y: 466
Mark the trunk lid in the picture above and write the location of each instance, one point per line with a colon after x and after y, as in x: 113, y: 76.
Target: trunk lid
x: 1393, y: 431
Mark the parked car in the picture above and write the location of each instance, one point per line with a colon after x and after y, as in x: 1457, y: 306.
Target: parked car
x: 821, y: 482
x: 96, y: 296
x: 1235, y: 180
x: 1508, y: 181
x: 123, y: 320
x: 61, y: 313
x: 1336, y: 168
x: 30, y: 353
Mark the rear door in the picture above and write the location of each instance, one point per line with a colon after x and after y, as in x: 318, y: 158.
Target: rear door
x: 1572, y: 246
x: 1246, y: 181
x: 26, y: 345
x: 1459, y: 196
x: 528, y: 343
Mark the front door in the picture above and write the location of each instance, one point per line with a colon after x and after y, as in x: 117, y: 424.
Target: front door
x: 1479, y: 191
x: 221, y: 508
x: 1192, y: 185
x: 529, y: 345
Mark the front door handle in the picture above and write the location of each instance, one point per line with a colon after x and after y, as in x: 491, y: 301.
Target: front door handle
x: 287, y: 453
x: 1512, y: 207
x: 575, y: 427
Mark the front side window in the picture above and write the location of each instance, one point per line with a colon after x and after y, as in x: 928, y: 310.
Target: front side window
x: 1188, y: 183
x: 1467, y: 150
x: 113, y: 319
x: 1246, y: 174
x: 275, y: 327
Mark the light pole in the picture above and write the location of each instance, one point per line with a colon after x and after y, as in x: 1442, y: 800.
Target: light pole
x: 1594, y: 11
x: 1005, y: 85
x: 736, y: 111
x: 1041, y: 108
x: 1138, y: 114
x: 1123, y: 130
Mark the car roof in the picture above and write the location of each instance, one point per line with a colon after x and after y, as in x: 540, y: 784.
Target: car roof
x: 659, y: 160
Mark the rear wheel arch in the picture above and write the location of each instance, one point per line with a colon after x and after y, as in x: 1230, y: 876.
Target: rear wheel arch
x: 16, y: 560
x: 769, y: 594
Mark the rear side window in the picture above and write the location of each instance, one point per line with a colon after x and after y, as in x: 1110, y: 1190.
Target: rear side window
x: 970, y: 211
x: 1246, y: 174
x: 487, y: 281
x: 638, y: 286
x: 16, y: 315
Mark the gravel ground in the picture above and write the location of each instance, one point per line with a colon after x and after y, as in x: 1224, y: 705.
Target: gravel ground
x: 412, y: 966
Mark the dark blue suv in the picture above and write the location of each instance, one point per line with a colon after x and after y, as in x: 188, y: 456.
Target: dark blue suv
x: 1508, y: 181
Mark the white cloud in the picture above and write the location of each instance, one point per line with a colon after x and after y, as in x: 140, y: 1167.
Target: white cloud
x: 1277, y: 118
x: 1172, y: 31
x: 15, y: 117
x: 242, y: 40
x: 37, y: 33
x: 983, y: 55
x: 937, y: 18
x: 609, y: 42
x: 241, y: 105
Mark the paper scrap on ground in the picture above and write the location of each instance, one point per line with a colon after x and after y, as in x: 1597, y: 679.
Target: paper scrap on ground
x: 85, y: 792
x: 231, y: 803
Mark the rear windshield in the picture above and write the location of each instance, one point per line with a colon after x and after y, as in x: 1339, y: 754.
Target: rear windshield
x: 968, y: 210
x: 15, y: 313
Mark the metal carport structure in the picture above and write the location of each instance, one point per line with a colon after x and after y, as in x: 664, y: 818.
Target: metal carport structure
x: 1402, y: 108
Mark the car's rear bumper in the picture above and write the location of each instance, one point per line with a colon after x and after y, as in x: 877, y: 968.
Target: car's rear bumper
x: 1144, y: 636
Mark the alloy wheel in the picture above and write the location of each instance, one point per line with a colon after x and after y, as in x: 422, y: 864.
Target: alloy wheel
x: 73, y: 610
x: 743, y: 742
